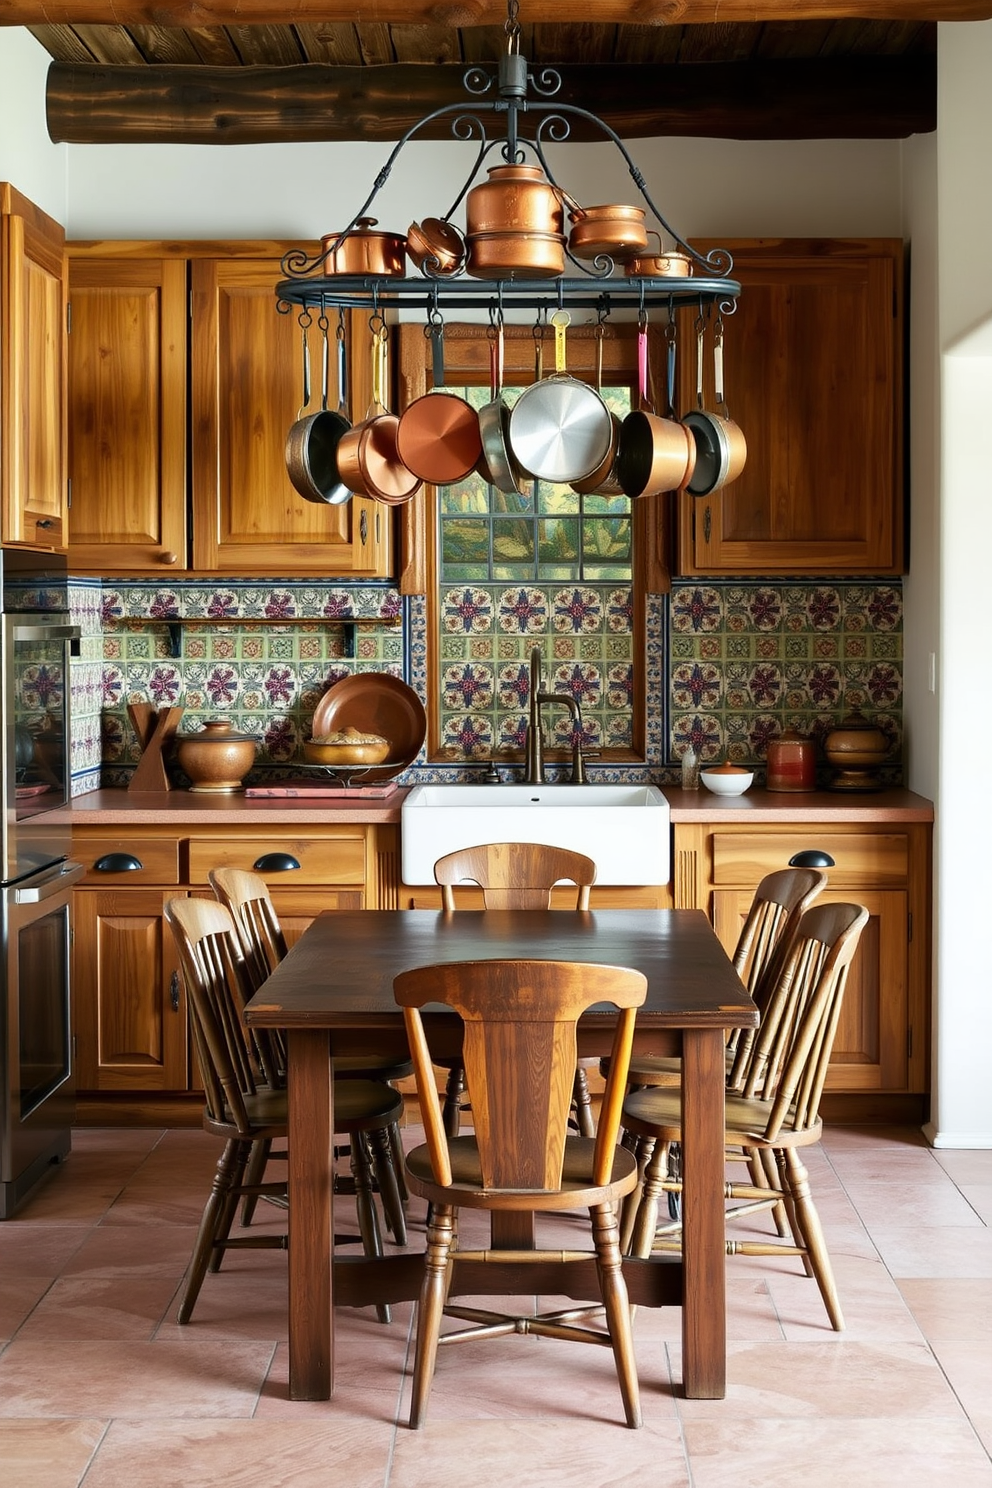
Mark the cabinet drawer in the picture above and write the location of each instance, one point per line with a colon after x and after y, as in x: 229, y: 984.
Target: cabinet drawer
x: 337, y: 860
x: 157, y: 859
x: 876, y: 858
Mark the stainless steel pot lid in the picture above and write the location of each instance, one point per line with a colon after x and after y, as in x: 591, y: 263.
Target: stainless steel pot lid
x: 560, y: 429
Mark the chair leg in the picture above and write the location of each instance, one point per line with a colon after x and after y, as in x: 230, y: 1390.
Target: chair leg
x: 764, y: 1174
x: 389, y: 1189
x: 796, y: 1182
x: 430, y: 1310
x: 229, y: 1207
x: 642, y: 1147
x: 453, y: 1091
x: 368, y: 1220
x: 396, y: 1147
x: 224, y: 1177
x: 253, y: 1174
x: 646, y: 1219
x: 583, y: 1104
x: 613, y: 1288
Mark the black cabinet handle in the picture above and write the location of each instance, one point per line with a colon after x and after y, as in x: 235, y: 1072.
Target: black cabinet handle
x: 174, y: 991
x: 117, y: 862
x: 811, y: 857
x: 276, y: 862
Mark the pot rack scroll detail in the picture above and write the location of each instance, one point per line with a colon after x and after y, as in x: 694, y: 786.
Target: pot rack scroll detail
x: 515, y: 94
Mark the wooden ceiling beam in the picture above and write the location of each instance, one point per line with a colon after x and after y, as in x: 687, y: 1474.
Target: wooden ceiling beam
x: 464, y: 13
x: 869, y: 98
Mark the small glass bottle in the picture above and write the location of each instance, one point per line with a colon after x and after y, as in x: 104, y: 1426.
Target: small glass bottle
x: 690, y: 769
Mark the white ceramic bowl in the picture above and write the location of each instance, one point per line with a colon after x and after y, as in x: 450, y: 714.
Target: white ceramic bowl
x: 726, y: 783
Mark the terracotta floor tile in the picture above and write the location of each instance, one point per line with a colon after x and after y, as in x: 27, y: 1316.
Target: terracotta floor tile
x: 954, y: 1308
x: 19, y: 1295
x: 965, y: 1166
x: 541, y: 1454
x: 873, y: 1307
x: 121, y: 1250
x: 826, y: 1453
x: 98, y: 1308
x: 144, y: 1380
x: 136, y: 1139
x: 369, y: 1377
x: 38, y: 1249
x: 47, y: 1454
x: 350, y: 1452
x: 835, y: 1378
x: 950, y: 1251
x: 979, y: 1196
x: 968, y: 1366
x: 888, y: 1205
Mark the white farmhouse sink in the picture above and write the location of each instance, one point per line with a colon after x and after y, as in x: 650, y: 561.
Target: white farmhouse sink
x: 623, y: 828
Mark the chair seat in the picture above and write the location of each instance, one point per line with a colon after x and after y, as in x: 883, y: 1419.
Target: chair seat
x: 266, y: 1112
x: 371, y: 1067
x: 362, y: 1104
x: 577, y: 1189
x: 657, y: 1112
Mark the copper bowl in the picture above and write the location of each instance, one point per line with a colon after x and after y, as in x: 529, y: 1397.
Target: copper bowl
x: 317, y: 752
x: 216, y: 758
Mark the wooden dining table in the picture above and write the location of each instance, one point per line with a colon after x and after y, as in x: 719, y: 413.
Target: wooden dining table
x: 332, y: 995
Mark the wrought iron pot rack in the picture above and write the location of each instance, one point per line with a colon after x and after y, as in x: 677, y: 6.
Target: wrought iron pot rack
x: 596, y: 287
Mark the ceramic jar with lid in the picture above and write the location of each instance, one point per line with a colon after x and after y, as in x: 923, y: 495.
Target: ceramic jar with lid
x: 216, y: 758
x: 856, y: 747
x: 791, y: 762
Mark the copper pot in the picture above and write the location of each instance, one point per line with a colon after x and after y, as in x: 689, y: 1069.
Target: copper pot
x: 616, y: 232
x: 435, y: 245
x: 368, y: 459
x: 656, y: 454
x: 504, y: 255
x: 216, y: 759
x: 515, y: 224
x: 658, y: 265
x: 364, y: 251
x: 855, y: 747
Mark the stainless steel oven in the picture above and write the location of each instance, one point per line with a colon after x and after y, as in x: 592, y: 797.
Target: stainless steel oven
x: 36, y: 876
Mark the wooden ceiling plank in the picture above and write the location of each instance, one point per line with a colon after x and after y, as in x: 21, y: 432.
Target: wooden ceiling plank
x: 62, y: 43
x: 213, y: 46
x: 584, y: 44
x: 376, y: 44
x: 648, y: 44
x: 430, y: 44
x: 110, y: 44
x: 720, y: 43
x: 466, y: 13
x: 333, y: 46
x: 886, y: 98
x: 164, y: 44
x: 782, y: 40
x: 266, y: 46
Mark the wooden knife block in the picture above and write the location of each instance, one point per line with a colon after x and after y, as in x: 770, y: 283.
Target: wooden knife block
x: 155, y: 729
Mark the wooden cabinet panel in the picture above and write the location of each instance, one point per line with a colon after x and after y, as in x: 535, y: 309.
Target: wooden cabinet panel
x: 813, y: 375
x: 338, y: 859
x: 33, y: 293
x: 130, y: 1002
x: 127, y: 413
x: 867, y: 858
x: 246, y: 393
x: 157, y: 859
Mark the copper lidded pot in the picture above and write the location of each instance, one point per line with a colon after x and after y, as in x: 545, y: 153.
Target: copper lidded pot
x: 856, y: 747
x: 364, y: 251
x: 216, y: 758
x: 514, y: 225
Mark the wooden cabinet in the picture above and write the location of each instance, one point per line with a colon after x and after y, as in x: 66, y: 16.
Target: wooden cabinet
x: 247, y: 377
x: 813, y: 375
x: 881, y: 1048
x: 131, y: 1033
x: 157, y: 327
x: 127, y: 413
x: 33, y: 294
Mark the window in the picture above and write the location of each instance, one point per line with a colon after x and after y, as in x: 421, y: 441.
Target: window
x: 547, y: 568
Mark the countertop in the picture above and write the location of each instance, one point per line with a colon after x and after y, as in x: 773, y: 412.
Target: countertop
x: 185, y: 808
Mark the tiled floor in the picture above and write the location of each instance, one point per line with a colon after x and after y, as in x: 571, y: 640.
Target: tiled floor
x: 99, y: 1386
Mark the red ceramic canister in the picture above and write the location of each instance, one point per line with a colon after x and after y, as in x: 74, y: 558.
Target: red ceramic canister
x: 791, y: 763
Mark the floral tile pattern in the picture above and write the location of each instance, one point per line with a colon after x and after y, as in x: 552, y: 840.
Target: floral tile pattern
x: 727, y: 664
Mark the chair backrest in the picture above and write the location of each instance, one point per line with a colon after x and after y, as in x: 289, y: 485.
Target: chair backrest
x: 519, y: 1052
x: 787, y: 1063
x: 780, y: 900
x: 214, y: 975
x: 515, y: 875
x: 246, y: 897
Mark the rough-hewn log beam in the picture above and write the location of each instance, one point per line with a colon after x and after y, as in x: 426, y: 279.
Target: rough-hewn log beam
x: 184, y: 13
x: 882, y: 98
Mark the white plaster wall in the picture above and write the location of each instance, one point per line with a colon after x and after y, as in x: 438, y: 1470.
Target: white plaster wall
x: 704, y: 187
x: 962, y: 1107
x: 28, y: 159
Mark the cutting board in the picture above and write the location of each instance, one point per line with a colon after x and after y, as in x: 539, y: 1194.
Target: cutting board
x: 155, y: 729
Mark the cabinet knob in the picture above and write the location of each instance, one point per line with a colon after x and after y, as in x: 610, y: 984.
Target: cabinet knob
x: 174, y: 991
x: 168, y: 557
x: 45, y: 522
x: 117, y: 862
x: 811, y: 857
x: 276, y: 862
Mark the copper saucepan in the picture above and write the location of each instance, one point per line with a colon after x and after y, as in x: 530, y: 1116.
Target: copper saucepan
x: 368, y: 459
x: 497, y: 465
x: 612, y: 232
x: 435, y: 245
x: 658, y: 265
x: 560, y: 429
x: 312, y: 442
x: 363, y: 251
x: 604, y: 480
x: 721, y: 448
x: 438, y: 436
x: 656, y: 454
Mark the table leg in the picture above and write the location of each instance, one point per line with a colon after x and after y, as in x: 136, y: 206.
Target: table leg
x: 704, y: 1266
x: 311, y: 1219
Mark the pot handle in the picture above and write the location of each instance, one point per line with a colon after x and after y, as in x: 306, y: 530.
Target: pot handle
x: 306, y: 368
x: 721, y: 401
x: 342, y: 368
x: 700, y: 328
x: 435, y: 330
x: 379, y: 334
x: 642, y: 363
x: 561, y: 320
x: 670, y: 340
x: 325, y: 362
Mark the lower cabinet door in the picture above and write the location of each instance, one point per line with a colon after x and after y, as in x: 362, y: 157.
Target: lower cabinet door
x: 871, y: 1047
x: 130, y: 1004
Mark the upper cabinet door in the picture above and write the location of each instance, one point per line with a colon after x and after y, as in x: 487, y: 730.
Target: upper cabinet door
x: 813, y: 375
x: 33, y: 499
x: 247, y: 379
x: 127, y: 413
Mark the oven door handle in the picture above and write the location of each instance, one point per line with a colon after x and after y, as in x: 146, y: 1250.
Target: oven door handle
x: 54, y: 882
x: 46, y: 632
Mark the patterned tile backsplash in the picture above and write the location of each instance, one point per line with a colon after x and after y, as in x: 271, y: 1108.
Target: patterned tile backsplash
x: 728, y: 665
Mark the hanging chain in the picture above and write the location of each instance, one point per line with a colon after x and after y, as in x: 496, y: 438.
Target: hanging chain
x: 512, y: 25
